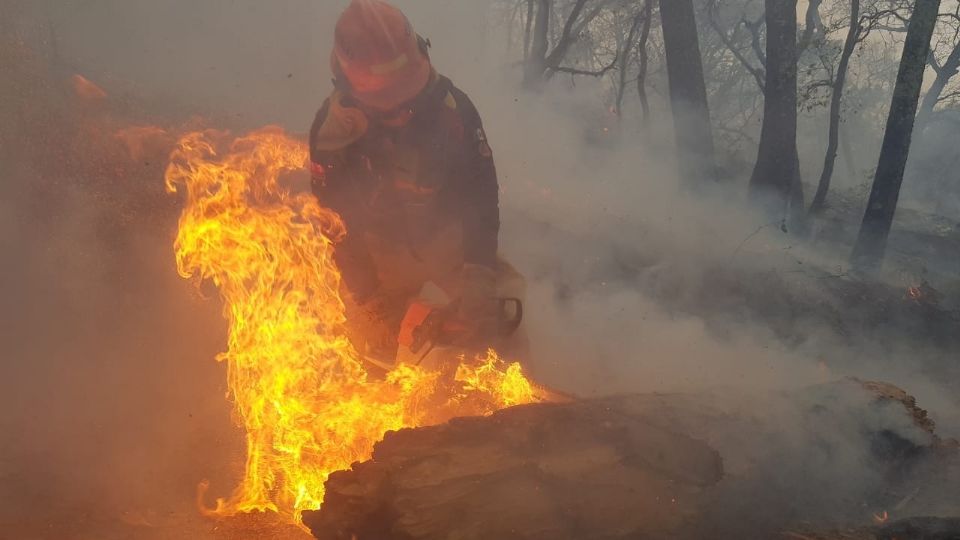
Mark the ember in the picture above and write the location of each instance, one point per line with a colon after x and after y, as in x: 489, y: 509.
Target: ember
x: 923, y: 294
x: 915, y: 294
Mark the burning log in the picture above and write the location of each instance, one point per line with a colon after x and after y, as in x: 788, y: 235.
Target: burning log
x: 648, y: 465
x: 541, y: 471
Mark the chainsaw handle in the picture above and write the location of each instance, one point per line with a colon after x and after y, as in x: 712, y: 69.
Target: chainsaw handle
x: 505, y: 326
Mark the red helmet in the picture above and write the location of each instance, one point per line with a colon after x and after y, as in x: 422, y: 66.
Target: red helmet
x: 382, y: 59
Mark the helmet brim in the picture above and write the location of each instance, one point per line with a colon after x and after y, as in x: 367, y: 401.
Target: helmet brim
x: 395, y: 88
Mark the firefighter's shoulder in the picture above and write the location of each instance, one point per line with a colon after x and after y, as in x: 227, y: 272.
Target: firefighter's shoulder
x: 472, y: 124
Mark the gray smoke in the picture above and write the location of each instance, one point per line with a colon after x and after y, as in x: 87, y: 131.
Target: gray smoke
x: 111, y: 404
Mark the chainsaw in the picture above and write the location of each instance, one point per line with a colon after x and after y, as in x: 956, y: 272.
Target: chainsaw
x: 435, y: 328
x: 427, y: 326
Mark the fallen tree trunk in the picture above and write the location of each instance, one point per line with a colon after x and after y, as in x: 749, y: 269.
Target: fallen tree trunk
x: 543, y: 471
x: 641, y: 466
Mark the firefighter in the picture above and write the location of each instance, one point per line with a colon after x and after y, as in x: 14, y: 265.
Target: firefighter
x: 401, y: 154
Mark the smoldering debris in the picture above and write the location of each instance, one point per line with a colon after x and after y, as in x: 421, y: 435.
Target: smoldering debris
x: 651, y: 465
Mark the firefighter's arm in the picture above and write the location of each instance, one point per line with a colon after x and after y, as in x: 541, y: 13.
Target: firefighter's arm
x: 479, y: 191
x: 330, y: 182
x: 481, y: 217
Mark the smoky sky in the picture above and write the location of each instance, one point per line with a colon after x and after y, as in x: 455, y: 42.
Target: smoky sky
x: 265, y: 61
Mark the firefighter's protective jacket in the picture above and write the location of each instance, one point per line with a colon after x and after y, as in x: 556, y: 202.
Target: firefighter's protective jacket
x: 403, y: 185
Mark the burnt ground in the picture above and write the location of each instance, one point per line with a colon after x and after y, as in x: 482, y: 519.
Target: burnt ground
x: 111, y: 404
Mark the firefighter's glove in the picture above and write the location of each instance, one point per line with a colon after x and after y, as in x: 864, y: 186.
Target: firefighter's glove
x: 343, y: 126
x: 478, y: 302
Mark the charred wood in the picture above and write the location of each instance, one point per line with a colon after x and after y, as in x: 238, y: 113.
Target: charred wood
x: 642, y: 466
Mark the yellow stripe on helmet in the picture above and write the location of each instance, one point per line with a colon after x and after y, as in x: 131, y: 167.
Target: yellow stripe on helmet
x: 391, y: 66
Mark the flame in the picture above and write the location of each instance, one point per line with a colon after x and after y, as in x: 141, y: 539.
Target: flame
x: 299, y: 387
x: 505, y: 384
x: 86, y: 89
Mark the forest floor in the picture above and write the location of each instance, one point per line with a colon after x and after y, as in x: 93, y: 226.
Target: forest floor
x: 811, y: 304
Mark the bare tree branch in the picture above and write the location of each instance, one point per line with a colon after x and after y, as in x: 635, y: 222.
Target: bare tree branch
x: 576, y: 71
x: 812, y: 25
x: 727, y: 40
x: 754, y: 29
x: 567, y: 37
x: 644, y: 60
x: 528, y: 25
x: 625, y: 60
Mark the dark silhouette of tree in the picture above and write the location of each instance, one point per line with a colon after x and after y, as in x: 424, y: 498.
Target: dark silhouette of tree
x: 775, y: 182
x: 878, y: 218
x: 854, y: 35
x: 643, y: 60
x: 542, y: 62
x: 641, y: 25
x: 536, y: 59
x: 945, y: 72
x: 688, y: 93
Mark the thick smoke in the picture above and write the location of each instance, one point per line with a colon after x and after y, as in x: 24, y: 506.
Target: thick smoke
x: 112, y: 405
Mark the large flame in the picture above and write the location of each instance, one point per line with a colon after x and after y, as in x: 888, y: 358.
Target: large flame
x: 299, y: 387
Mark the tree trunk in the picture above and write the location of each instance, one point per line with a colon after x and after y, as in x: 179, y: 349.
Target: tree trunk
x: 812, y: 26
x: 833, y: 136
x: 641, y: 23
x: 643, y: 62
x: 688, y: 93
x: 878, y: 218
x: 930, y: 99
x: 536, y: 63
x: 528, y: 31
x: 849, y: 158
x: 776, y: 175
x: 624, y: 62
x: 558, y: 472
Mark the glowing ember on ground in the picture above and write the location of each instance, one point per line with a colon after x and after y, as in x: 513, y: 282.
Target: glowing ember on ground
x: 299, y: 388
x: 915, y: 294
